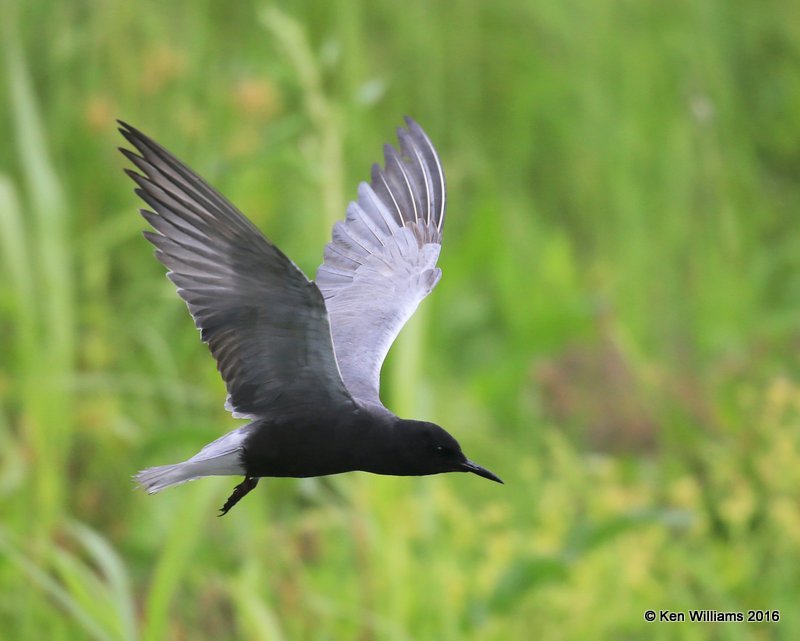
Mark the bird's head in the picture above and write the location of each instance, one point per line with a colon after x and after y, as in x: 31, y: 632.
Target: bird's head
x: 435, y: 451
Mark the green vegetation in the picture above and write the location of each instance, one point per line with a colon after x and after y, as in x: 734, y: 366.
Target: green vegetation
x: 615, y: 335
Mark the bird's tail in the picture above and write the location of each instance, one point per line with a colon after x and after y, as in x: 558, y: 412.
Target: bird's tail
x: 155, y: 479
x: 223, y: 457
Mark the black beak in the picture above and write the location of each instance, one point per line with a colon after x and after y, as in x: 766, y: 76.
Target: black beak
x: 469, y: 466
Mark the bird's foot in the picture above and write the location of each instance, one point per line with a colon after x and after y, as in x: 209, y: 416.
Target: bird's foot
x: 239, y: 492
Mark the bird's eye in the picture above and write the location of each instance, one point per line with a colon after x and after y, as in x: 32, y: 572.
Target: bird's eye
x: 440, y: 449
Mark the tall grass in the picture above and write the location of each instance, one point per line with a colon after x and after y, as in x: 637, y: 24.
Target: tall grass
x: 39, y: 262
x: 614, y: 332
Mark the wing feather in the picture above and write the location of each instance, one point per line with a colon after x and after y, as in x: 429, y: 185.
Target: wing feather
x: 265, y: 323
x: 381, y: 261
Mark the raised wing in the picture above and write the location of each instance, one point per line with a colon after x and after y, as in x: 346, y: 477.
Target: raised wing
x: 381, y: 262
x: 265, y: 323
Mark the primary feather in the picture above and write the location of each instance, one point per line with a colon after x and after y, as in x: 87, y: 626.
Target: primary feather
x: 381, y: 261
x: 265, y: 323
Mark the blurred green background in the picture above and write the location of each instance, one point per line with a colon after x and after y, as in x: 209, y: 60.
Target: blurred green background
x: 615, y: 335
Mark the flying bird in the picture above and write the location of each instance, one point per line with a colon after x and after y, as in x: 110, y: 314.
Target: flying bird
x: 301, y: 359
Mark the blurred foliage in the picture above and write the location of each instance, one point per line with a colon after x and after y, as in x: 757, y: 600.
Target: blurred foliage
x: 616, y: 333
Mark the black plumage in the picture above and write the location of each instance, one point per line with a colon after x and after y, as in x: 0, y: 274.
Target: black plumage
x: 301, y: 360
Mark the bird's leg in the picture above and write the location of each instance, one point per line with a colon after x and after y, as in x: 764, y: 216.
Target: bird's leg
x: 239, y: 492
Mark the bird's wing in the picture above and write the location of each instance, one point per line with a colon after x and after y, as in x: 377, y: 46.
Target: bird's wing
x: 265, y: 323
x: 381, y: 261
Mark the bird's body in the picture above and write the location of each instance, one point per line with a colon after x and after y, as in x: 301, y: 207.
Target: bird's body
x: 312, y: 447
x: 364, y: 440
x: 301, y: 359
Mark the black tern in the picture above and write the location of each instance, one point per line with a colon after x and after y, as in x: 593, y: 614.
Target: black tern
x: 301, y: 360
